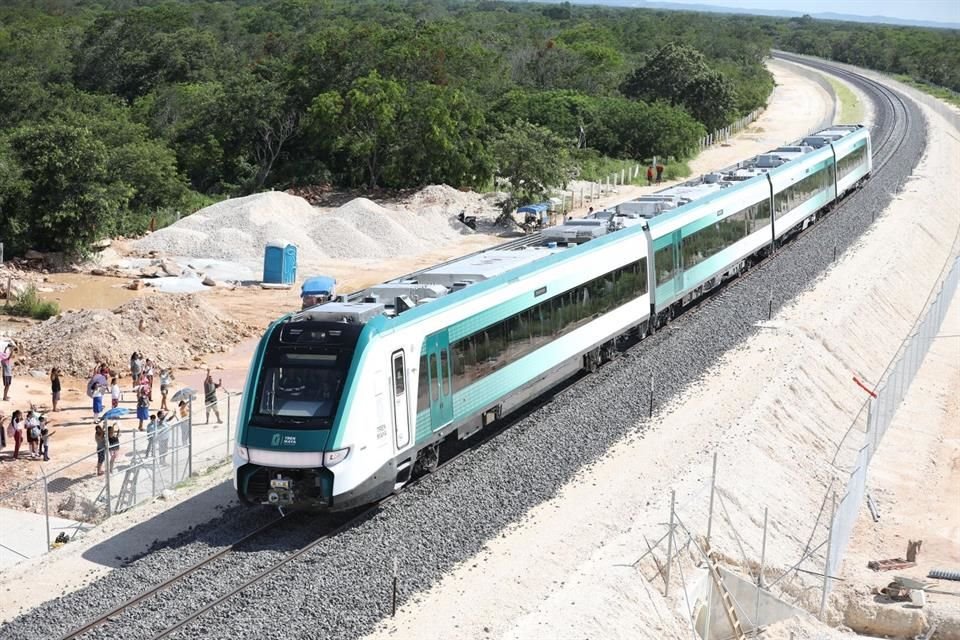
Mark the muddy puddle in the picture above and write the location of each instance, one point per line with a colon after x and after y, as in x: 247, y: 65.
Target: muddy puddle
x: 88, y: 292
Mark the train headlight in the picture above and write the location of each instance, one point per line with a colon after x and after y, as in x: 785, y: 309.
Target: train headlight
x: 243, y: 453
x: 331, y: 458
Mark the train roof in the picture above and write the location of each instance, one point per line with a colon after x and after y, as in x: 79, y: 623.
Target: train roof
x: 482, y: 270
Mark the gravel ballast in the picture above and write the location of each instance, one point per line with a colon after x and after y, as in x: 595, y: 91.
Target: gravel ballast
x: 343, y: 587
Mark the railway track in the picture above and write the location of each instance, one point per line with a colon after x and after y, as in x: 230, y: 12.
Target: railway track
x: 334, y: 524
x: 892, y: 118
x: 892, y: 125
x: 182, y: 575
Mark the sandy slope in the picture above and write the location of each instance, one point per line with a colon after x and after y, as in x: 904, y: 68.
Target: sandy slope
x: 565, y: 572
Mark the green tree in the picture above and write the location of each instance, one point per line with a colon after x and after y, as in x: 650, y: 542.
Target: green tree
x: 441, y: 140
x: 364, y: 124
x: 679, y: 75
x: 69, y: 197
x: 532, y: 158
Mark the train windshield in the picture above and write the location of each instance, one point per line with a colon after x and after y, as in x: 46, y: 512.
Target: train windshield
x: 300, y: 388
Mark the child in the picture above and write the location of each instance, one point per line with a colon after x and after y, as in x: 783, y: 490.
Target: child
x: 101, y: 448
x: 45, y: 435
x: 33, y: 433
x: 115, y: 394
x: 113, y: 438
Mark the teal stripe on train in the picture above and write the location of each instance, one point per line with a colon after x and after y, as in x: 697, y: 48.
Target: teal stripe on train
x: 488, y: 390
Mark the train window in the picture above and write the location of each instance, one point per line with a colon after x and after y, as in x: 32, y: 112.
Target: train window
x: 482, y: 353
x: 760, y: 215
x: 434, y: 388
x: 458, y: 357
x: 850, y: 162
x: 663, y: 258
x: 398, y: 374
x: 796, y: 194
x: 423, y: 386
x: 444, y: 373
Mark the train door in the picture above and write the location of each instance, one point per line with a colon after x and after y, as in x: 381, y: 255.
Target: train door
x: 401, y: 414
x: 441, y: 395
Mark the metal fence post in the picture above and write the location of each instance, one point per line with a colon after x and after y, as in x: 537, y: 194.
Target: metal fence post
x: 190, y: 438
x: 228, y: 425
x: 106, y: 459
x: 153, y: 464
x: 46, y: 506
x: 713, y: 488
x: 763, y: 558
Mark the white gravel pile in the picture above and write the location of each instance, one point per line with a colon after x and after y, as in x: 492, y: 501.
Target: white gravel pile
x: 238, y: 229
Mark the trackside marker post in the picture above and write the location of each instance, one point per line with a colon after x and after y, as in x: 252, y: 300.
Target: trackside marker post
x: 393, y: 612
x: 650, y: 413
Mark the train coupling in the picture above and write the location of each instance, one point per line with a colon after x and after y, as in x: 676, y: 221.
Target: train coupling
x: 281, y: 492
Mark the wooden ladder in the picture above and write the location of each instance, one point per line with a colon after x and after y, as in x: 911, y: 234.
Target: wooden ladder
x: 127, y: 490
x: 728, y: 606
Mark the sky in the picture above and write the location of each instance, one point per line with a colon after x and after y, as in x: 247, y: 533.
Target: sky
x: 935, y: 10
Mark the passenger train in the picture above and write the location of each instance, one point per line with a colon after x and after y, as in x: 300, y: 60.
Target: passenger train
x: 346, y: 401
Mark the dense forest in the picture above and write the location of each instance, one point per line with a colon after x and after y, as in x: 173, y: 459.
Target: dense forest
x: 117, y: 112
x: 929, y: 56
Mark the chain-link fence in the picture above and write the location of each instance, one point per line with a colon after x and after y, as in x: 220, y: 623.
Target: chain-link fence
x: 139, y: 466
x: 880, y: 412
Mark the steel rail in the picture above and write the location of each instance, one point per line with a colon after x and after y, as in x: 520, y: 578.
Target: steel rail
x: 171, y: 580
x: 272, y: 569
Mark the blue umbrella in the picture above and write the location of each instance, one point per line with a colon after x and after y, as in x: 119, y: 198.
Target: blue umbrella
x: 116, y: 412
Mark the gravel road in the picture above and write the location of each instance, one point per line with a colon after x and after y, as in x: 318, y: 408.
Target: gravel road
x: 342, y: 588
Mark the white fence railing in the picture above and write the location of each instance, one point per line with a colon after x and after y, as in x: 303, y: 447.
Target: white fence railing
x: 722, y: 135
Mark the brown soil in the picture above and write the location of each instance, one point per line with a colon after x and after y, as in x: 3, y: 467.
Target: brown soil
x: 172, y: 329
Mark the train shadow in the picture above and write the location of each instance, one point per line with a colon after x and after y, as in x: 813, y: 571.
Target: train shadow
x: 212, y: 519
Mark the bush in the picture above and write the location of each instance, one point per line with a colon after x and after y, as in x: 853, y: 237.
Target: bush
x: 29, y: 304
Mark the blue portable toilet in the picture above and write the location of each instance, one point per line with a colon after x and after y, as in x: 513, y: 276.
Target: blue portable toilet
x: 280, y: 263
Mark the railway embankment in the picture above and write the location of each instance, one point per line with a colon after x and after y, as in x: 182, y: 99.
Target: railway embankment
x: 776, y: 410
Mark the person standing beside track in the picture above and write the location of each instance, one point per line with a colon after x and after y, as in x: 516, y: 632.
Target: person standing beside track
x: 6, y: 364
x: 210, y: 396
x: 101, y: 441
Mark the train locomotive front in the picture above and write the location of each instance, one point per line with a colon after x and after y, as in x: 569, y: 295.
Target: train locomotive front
x: 287, y: 452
